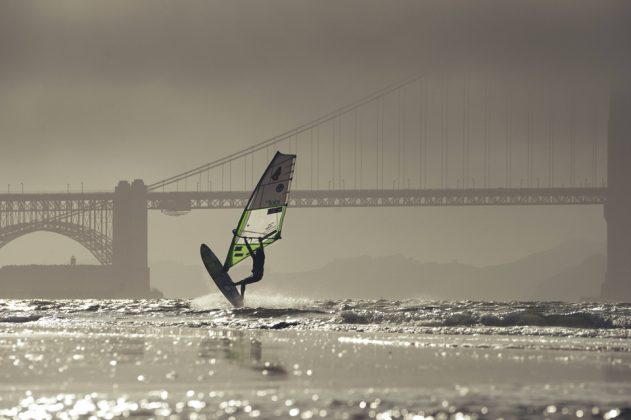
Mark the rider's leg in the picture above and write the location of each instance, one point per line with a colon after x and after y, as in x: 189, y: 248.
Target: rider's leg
x: 248, y: 280
x: 244, y: 281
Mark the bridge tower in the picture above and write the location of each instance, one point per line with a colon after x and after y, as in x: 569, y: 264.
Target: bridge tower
x: 617, y: 286
x: 129, y: 239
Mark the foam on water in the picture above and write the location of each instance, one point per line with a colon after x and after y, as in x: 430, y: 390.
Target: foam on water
x: 258, y: 300
x: 264, y: 311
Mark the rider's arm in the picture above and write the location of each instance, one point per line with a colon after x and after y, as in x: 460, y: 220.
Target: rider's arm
x: 248, y: 246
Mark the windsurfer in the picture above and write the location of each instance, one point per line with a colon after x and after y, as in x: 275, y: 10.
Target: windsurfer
x: 258, y: 261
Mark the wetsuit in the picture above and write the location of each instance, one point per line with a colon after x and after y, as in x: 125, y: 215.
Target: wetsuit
x: 258, y: 261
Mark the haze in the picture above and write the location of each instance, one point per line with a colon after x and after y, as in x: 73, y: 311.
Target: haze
x: 97, y: 92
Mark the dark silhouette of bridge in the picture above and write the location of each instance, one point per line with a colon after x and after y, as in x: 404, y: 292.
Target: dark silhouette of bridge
x: 416, y: 143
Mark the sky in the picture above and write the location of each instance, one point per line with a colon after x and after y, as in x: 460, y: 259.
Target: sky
x: 97, y: 91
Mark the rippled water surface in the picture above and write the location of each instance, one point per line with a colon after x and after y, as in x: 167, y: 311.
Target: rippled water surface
x: 283, y: 358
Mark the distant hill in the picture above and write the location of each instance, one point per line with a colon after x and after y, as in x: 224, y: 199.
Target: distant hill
x: 575, y: 283
x: 543, y: 275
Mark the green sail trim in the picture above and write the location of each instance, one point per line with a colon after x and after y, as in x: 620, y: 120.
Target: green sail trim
x: 264, y: 214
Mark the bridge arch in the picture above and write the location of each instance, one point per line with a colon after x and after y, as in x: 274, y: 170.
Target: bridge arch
x: 98, y: 244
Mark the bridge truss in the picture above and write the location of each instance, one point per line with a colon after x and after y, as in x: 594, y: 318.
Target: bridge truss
x: 86, y: 218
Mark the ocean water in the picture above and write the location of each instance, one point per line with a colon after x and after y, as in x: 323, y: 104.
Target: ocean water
x: 283, y: 357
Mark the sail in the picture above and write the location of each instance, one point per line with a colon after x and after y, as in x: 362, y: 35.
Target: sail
x: 263, y: 216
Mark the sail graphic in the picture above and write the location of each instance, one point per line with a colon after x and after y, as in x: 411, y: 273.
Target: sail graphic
x: 263, y: 216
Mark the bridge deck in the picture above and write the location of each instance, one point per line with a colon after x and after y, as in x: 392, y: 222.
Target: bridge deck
x: 387, y: 198
x: 192, y: 200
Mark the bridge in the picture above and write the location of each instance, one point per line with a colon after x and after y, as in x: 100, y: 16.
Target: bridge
x: 421, y: 142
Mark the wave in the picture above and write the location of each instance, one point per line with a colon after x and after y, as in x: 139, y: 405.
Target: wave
x: 20, y: 319
x: 488, y: 314
x: 279, y: 312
